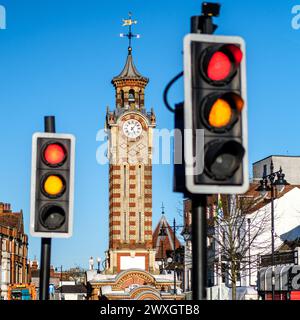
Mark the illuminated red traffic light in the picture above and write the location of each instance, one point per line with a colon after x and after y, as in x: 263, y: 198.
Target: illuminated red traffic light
x: 54, y: 154
x: 221, y: 63
x: 219, y: 66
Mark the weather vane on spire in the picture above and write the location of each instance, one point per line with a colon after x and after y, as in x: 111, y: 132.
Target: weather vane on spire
x: 128, y: 23
x: 162, y: 208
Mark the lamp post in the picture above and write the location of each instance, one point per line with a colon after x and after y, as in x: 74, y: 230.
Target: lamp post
x: 187, y: 236
x: 267, y: 183
x: 184, y: 233
x: 249, y: 252
x: 162, y: 234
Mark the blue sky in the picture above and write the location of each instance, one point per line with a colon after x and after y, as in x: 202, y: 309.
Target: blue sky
x: 57, y: 57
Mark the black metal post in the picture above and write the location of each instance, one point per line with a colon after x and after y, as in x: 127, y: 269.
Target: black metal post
x: 199, y: 255
x: 0, y: 266
x: 272, y: 233
x: 200, y: 24
x: 46, y: 242
x: 249, y: 252
x: 174, y: 256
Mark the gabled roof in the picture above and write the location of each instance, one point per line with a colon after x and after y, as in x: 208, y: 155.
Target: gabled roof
x: 168, y: 243
x: 263, y: 201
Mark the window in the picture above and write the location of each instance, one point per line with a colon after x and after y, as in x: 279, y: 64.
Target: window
x: 125, y: 226
x: 131, y: 97
x: 265, y: 170
x: 140, y: 226
x: 124, y: 181
x: 140, y: 98
x: 139, y: 181
x: 122, y: 98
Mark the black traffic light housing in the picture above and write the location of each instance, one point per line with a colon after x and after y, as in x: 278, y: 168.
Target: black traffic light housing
x: 52, y: 185
x: 215, y: 105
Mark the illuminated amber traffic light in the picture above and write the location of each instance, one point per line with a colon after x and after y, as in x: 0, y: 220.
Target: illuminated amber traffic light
x: 221, y: 111
x: 215, y: 105
x: 220, y: 114
x: 52, y: 185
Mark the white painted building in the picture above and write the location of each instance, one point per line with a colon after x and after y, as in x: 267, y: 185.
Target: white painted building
x: 286, y: 222
x: 290, y: 166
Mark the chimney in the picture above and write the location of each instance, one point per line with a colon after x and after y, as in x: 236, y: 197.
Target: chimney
x: 1, y: 207
x: 34, y: 265
x: 51, y: 272
x: 6, y: 207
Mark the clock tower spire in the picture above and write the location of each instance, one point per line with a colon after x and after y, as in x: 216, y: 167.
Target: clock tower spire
x: 130, y: 129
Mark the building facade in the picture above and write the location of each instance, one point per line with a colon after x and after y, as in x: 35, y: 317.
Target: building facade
x: 290, y: 165
x: 14, y: 268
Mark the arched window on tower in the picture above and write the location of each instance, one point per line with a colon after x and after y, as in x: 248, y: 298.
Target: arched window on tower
x: 124, y: 181
x: 131, y: 97
x: 122, y: 98
x: 125, y: 226
x: 140, y: 226
x: 140, y: 98
x: 139, y: 181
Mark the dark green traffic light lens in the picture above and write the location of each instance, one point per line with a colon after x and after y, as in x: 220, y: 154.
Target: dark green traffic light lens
x: 53, y: 217
x: 223, y: 158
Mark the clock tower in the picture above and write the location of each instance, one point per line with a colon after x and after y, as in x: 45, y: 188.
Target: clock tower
x: 130, y: 130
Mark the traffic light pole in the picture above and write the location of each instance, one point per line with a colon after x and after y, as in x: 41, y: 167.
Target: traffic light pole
x: 199, y: 255
x: 46, y: 242
x: 200, y: 24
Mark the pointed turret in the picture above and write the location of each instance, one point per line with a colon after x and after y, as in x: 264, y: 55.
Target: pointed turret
x: 130, y: 86
x: 130, y: 71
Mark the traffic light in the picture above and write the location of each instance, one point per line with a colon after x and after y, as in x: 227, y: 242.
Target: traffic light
x: 52, y: 185
x: 215, y: 110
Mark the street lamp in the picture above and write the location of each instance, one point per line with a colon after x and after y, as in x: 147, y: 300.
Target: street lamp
x: 267, y: 183
x: 162, y: 234
x: 249, y: 253
x: 187, y: 234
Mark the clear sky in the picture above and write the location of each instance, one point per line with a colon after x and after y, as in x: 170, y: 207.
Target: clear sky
x: 57, y: 57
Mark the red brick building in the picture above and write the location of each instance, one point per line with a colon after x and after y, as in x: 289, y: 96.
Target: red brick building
x: 13, y: 249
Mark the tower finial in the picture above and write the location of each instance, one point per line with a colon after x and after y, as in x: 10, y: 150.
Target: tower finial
x: 128, y: 23
x: 162, y: 208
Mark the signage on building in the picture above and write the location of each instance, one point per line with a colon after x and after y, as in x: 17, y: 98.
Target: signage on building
x: 294, y: 278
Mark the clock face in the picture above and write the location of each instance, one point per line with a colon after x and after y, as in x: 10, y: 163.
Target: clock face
x: 132, y: 128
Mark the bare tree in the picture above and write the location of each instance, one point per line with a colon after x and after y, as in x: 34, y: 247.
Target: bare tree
x: 239, y: 222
